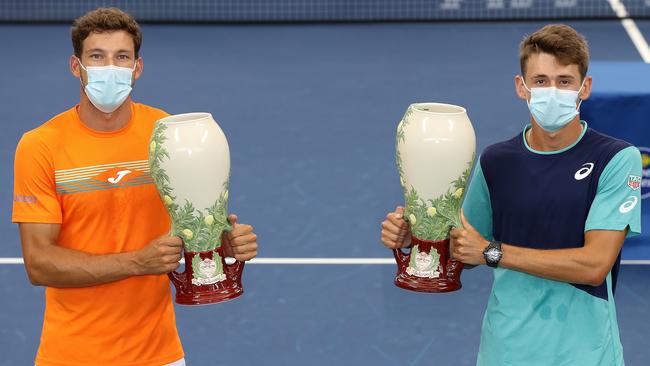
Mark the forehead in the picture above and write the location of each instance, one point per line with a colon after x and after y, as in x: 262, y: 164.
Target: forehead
x: 549, y: 65
x: 109, y: 41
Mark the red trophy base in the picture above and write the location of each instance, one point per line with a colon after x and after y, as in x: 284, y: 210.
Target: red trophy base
x: 208, y: 296
x: 191, y: 292
x: 444, y: 278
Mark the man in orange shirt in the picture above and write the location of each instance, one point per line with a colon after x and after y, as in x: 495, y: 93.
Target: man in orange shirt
x: 95, y: 236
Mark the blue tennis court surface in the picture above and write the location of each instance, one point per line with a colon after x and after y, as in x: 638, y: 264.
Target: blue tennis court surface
x: 310, y: 113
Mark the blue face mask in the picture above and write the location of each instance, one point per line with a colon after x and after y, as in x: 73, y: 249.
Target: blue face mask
x: 108, y: 86
x: 553, y: 108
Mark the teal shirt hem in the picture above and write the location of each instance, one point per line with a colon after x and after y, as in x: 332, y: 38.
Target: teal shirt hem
x: 566, y: 325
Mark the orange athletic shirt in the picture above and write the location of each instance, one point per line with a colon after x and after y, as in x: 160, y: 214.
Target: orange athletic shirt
x: 97, y: 186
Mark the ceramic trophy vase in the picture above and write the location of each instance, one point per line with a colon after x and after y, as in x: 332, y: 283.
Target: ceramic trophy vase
x: 189, y: 160
x: 435, y: 152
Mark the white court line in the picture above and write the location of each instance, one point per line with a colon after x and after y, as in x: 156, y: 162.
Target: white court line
x: 278, y: 261
x: 323, y: 261
x: 632, y: 30
x: 327, y: 261
x: 11, y: 261
x: 636, y: 262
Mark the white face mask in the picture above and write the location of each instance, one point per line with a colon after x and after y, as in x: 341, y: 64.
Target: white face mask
x: 553, y: 108
x: 108, y: 86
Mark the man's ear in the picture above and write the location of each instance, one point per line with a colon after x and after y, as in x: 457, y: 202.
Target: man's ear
x: 139, y: 65
x: 75, y: 66
x: 520, y: 89
x: 586, y: 88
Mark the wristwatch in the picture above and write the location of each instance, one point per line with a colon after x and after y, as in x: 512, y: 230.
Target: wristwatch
x: 493, y: 254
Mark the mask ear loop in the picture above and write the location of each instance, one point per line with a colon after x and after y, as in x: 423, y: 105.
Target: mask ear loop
x: 529, y: 91
x: 525, y: 86
x: 579, y: 90
x: 81, y: 64
x: 527, y: 132
x: 84, y: 68
x: 135, y: 65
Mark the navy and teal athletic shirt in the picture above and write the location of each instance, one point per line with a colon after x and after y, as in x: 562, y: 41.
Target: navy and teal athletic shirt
x: 548, y: 200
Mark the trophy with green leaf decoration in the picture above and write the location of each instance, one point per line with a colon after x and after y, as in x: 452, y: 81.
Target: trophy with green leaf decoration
x: 435, y: 149
x: 189, y: 160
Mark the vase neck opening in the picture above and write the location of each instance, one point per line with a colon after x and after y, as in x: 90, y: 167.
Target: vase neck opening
x: 438, y: 108
x: 186, y: 118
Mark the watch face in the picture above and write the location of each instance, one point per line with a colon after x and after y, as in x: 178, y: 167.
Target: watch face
x: 493, y: 254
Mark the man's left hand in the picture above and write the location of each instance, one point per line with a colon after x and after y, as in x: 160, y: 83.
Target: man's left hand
x: 241, y: 242
x: 466, y: 244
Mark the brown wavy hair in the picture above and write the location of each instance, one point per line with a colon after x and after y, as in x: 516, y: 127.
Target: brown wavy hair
x: 559, y: 40
x: 103, y: 20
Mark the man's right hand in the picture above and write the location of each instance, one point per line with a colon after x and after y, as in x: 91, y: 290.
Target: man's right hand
x: 395, y: 231
x: 49, y: 264
x: 159, y: 256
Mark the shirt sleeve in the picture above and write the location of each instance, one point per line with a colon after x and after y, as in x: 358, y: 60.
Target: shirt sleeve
x: 35, y: 198
x: 477, y: 206
x: 617, y: 204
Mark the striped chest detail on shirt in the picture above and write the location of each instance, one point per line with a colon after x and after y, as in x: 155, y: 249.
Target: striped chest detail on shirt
x: 103, y: 177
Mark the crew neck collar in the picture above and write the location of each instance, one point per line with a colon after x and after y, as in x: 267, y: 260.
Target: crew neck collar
x: 97, y: 133
x: 528, y: 127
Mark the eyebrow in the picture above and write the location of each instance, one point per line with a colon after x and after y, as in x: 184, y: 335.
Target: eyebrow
x: 563, y: 76
x: 103, y: 51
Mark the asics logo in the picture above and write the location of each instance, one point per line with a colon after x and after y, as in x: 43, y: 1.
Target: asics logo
x: 119, y: 177
x: 584, y: 172
x: 628, y: 205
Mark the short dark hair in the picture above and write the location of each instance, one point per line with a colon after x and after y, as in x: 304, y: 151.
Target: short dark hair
x: 559, y: 40
x: 103, y: 20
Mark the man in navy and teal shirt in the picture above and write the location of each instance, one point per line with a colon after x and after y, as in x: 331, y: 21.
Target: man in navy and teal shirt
x: 549, y: 209
x: 545, y: 201
x: 561, y: 198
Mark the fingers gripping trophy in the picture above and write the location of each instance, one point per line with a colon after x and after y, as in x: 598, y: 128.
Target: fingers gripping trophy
x: 435, y: 152
x: 189, y: 160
